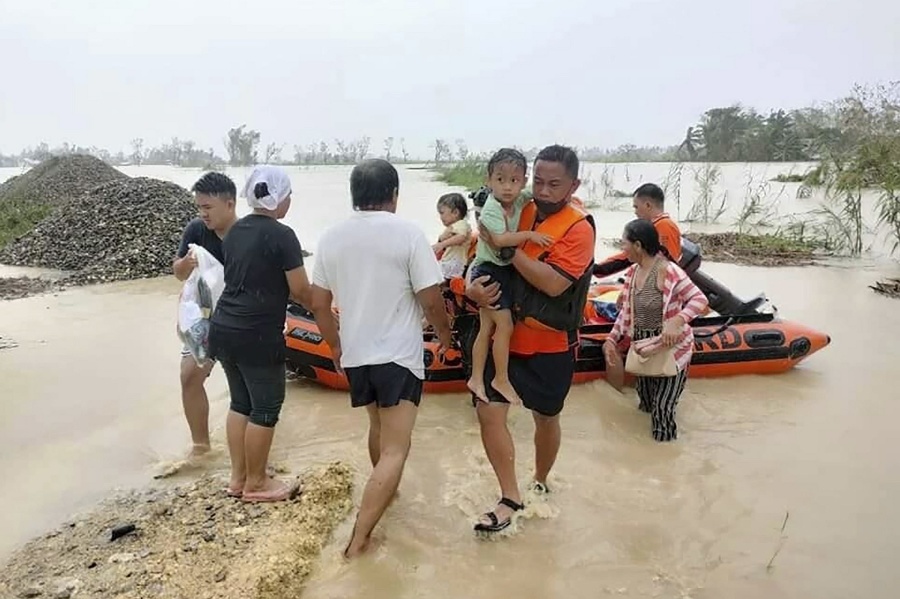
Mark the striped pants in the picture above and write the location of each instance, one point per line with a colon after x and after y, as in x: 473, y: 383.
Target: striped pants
x: 659, y: 397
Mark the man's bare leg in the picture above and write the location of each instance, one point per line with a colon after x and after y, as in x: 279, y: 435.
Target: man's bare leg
x: 195, y: 403
x: 235, y: 431
x: 374, y: 434
x: 547, y: 438
x: 501, y: 453
x: 396, y: 433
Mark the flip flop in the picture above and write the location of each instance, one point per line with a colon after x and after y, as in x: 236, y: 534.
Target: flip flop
x: 282, y: 492
x: 496, y: 525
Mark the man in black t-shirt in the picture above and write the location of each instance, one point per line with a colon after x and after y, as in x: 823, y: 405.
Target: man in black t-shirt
x: 216, y: 196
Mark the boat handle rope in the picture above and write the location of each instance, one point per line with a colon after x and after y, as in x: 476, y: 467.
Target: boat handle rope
x: 727, y: 324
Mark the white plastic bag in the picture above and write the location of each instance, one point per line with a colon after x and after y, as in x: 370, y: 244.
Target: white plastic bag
x: 199, y: 295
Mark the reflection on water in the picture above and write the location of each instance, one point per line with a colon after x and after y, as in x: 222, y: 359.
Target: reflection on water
x: 90, y: 402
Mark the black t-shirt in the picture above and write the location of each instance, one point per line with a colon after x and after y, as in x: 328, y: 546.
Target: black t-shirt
x: 197, y: 232
x: 248, y: 323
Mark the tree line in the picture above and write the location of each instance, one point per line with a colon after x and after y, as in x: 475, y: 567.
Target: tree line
x: 723, y: 134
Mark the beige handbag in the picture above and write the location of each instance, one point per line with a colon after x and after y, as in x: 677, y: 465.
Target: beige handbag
x: 656, y: 363
x: 659, y: 361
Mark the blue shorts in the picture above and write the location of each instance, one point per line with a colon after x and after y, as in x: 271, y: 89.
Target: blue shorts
x: 499, y: 274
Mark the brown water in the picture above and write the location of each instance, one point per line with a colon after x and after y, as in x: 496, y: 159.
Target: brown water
x: 90, y: 403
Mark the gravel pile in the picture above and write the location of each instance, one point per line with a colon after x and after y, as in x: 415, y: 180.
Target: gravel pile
x: 19, y: 287
x: 128, y: 228
x: 27, y: 199
x: 58, y: 180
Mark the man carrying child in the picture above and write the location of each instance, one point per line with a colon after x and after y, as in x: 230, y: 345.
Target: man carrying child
x: 549, y: 286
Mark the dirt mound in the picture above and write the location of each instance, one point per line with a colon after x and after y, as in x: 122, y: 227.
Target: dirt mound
x: 28, y: 198
x: 191, y: 542
x: 123, y: 229
x: 753, y: 250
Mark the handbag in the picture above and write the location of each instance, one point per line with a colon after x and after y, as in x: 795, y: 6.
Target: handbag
x: 658, y: 361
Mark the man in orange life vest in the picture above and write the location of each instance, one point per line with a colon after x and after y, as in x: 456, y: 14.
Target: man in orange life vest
x: 549, y: 290
x: 649, y: 204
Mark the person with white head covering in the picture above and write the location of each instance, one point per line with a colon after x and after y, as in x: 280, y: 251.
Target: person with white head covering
x: 263, y: 270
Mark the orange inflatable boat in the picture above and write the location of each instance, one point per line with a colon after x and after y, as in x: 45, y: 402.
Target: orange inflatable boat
x: 739, y: 338
x: 755, y: 343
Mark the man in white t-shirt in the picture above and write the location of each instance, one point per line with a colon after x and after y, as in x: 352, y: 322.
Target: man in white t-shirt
x: 382, y: 274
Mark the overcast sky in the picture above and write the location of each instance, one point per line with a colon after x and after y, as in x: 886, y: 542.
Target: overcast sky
x: 494, y: 72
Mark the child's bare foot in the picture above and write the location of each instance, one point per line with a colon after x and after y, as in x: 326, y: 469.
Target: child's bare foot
x: 505, y: 389
x: 477, y: 388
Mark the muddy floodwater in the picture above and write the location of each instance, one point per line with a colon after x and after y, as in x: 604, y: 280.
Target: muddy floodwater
x: 778, y: 486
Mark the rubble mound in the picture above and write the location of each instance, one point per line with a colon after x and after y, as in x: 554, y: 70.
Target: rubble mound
x: 128, y: 228
x: 26, y: 199
x: 191, y: 542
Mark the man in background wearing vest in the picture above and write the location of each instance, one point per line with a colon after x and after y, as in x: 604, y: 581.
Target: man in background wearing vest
x: 649, y: 204
x: 549, y: 292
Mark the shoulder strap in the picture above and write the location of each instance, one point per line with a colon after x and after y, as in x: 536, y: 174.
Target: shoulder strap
x: 630, y: 289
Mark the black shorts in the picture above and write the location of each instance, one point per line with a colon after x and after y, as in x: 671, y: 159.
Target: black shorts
x: 541, y: 380
x: 499, y: 274
x: 257, y: 390
x: 383, y: 384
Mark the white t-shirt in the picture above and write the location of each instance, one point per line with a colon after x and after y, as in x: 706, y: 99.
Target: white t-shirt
x: 374, y: 263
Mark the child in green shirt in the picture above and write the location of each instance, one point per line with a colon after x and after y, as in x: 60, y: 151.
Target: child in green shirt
x: 506, y: 176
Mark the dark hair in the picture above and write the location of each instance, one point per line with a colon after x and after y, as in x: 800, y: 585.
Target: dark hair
x: 643, y: 232
x: 454, y: 201
x: 507, y: 156
x: 562, y: 154
x: 261, y: 190
x: 372, y: 184
x: 652, y: 192
x: 215, y: 184
x: 480, y: 196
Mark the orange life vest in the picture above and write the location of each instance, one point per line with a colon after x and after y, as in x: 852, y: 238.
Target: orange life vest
x: 537, y: 310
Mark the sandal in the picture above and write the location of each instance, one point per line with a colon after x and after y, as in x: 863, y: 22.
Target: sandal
x: 496, y: 525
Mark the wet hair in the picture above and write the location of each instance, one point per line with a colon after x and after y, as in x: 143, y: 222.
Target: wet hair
x: 562, y: 154
x: 507, y: 156
x: 652, y: 192
x: 216, y: 184
x: 643, y: 232
x: 372, y: 184
x: 454, y: 201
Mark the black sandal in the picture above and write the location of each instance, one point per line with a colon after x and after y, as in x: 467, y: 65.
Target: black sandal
x: 496, y: 525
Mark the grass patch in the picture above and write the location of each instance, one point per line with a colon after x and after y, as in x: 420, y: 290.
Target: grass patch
x: 790, y: 178
x: 755, y: 250
x: 19, y: 217
x: 469, y: 174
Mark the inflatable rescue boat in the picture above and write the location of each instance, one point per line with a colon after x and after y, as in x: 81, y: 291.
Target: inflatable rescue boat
x: 737, y: 338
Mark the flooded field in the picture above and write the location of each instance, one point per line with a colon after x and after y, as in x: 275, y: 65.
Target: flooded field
x: 91, y: 403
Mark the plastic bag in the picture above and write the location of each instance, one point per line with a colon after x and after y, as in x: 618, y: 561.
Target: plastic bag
x: 199, y: 295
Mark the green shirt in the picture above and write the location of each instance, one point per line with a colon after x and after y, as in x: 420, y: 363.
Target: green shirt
x: 494, y: 219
